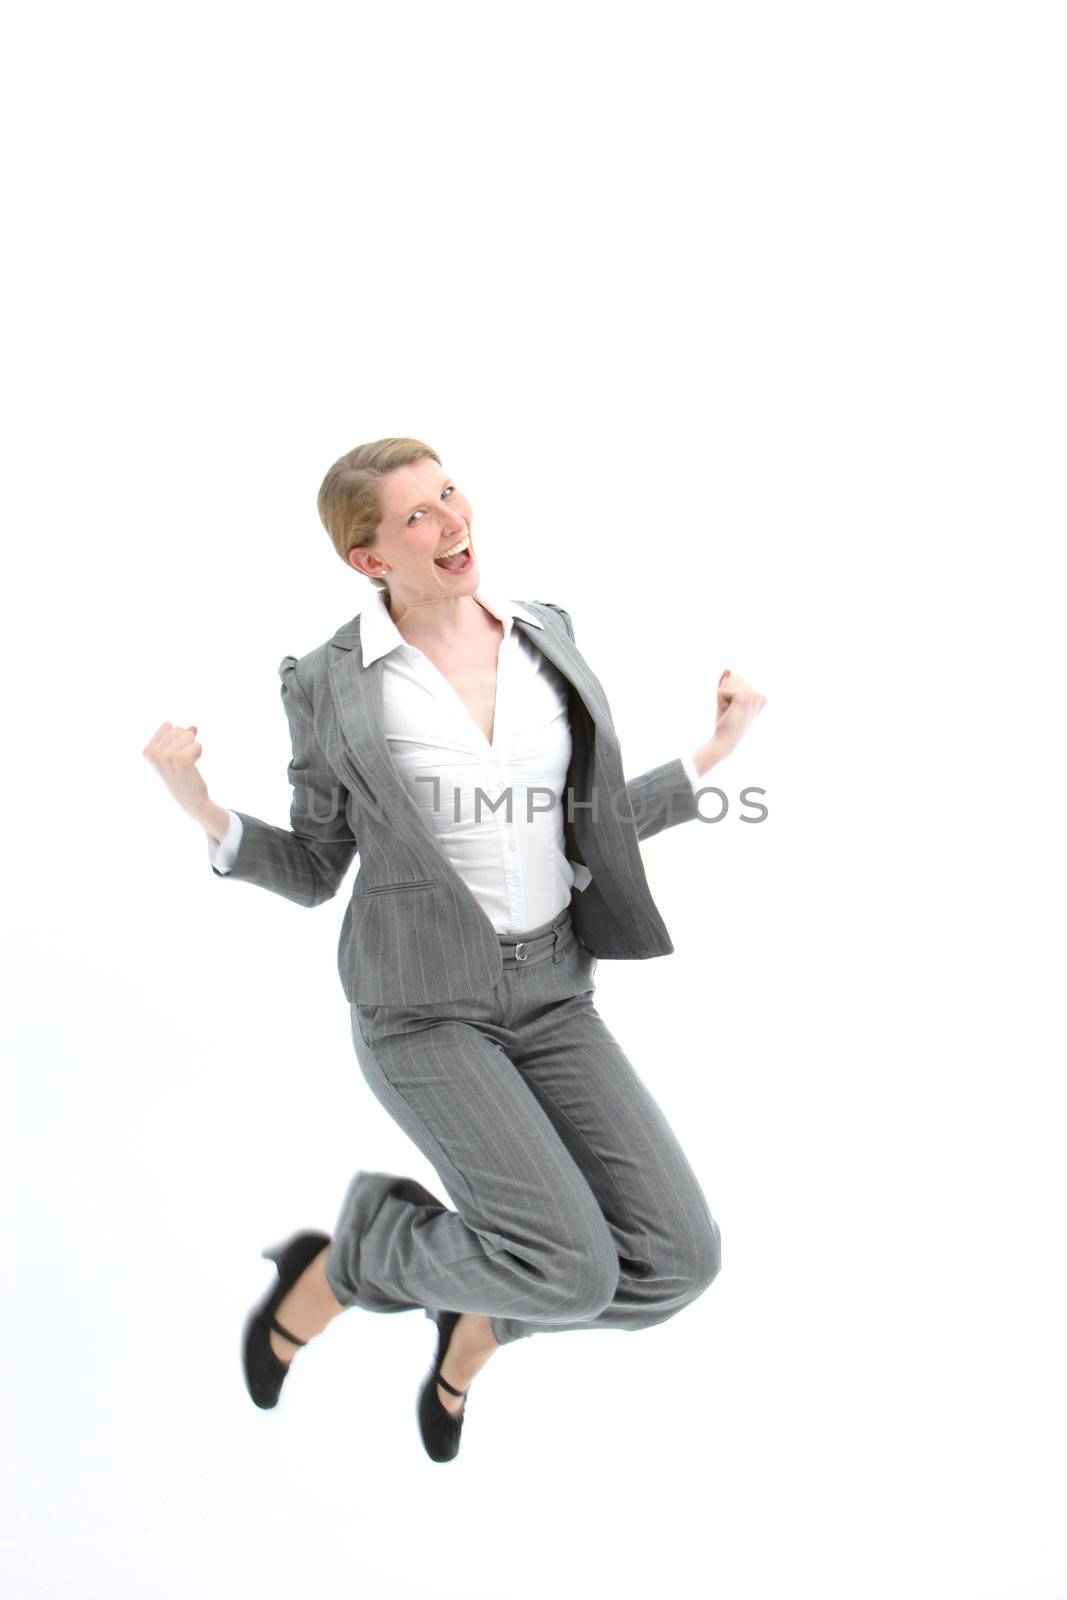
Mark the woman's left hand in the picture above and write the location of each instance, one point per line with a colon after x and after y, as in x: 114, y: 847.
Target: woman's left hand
x: 738, y: 707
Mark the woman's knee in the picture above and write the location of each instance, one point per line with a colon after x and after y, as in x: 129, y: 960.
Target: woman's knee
x: 692, y: 1261
x: 575, y: 1278
x: 595, y: 1278
x: 703, y: 1264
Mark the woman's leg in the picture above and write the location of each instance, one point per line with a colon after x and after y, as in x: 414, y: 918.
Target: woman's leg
x: 664, y: 1235
x: 306, y: 1309
x: 576, y: 1206
x: 527, y: 1239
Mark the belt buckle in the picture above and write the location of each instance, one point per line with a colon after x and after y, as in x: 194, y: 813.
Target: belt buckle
x: 521, y: 946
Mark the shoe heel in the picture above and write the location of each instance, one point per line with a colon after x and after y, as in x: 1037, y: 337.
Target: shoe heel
x: 297, y: 1250
x: 264, y: 1373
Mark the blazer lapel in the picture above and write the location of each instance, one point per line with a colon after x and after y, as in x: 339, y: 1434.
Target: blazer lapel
x: 556, y: 643
x: 357, y: 697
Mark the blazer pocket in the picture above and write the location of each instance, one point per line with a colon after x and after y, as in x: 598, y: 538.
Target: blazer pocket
x: 391, y: 888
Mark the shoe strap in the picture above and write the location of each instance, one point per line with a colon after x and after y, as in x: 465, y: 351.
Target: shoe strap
x: 459, y: 1393
x: 272, y: 1322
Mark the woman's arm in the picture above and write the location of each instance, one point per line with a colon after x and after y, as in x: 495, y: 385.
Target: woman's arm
x: 661, y: 798
x: 307, y: 861
x: 665, y: 795
x: 738, y: 707
x: 217, y: 820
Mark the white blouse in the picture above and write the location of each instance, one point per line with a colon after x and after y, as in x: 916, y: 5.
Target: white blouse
x: 513, y: 859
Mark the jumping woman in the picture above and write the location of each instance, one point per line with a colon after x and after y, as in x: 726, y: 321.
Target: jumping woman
x: 464, y: 748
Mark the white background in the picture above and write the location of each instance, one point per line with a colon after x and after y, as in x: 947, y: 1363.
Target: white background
x: 743, y: 329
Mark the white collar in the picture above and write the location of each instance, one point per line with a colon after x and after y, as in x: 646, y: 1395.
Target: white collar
x: 379, y: 634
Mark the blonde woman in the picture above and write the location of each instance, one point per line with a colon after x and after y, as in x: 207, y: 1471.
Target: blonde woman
x: 463, y: 747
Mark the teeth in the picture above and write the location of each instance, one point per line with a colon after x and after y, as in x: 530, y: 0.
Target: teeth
x: 456, y: 548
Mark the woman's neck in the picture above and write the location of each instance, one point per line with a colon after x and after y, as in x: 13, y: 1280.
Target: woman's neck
x: 444, y: 621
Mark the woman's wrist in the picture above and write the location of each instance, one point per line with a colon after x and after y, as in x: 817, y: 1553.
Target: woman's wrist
x: 216, y: 820
x: 710, y: 753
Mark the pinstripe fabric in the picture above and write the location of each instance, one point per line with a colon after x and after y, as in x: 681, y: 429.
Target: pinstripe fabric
x: 413, y: 933
x: 575, y: 1205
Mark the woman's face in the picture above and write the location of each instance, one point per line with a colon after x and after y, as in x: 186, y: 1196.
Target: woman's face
x: 423, y: 515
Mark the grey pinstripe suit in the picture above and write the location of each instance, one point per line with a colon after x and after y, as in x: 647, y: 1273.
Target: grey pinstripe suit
x: 576, y: 1206
x: 413, y: 932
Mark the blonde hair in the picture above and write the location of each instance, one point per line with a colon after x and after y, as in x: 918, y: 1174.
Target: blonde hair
x: 350, y: 499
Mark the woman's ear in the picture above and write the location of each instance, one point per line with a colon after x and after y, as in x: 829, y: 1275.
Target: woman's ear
x: 368, y: 555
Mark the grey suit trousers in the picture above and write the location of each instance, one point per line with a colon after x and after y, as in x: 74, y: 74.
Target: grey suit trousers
x: 575, y: 1205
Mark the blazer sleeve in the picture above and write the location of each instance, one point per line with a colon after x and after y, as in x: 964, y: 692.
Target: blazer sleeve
x: 664, y: 795
x: 307, y: 861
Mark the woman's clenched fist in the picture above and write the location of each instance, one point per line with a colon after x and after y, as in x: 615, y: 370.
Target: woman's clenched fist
x: 738, y: 707
x: 174, y: 753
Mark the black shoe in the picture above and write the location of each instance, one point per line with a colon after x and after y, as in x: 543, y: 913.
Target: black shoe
x: 439, y: 1428
x: 264, y: 1373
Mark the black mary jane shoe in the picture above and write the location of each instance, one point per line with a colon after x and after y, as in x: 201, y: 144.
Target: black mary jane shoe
x: 264, y: 1372
x: 439, y: 1428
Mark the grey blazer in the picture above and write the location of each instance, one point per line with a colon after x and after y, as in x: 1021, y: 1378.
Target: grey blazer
x: 413, y: 932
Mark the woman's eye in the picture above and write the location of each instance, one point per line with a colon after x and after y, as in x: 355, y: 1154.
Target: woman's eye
x: 449, y: 488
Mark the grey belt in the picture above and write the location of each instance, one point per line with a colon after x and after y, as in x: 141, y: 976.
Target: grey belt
x: 555, y: 940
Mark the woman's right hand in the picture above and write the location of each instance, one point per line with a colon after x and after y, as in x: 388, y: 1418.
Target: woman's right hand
x: 174, y: 753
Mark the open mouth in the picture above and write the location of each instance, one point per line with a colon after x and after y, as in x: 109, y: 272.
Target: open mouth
x: 459, y: 559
